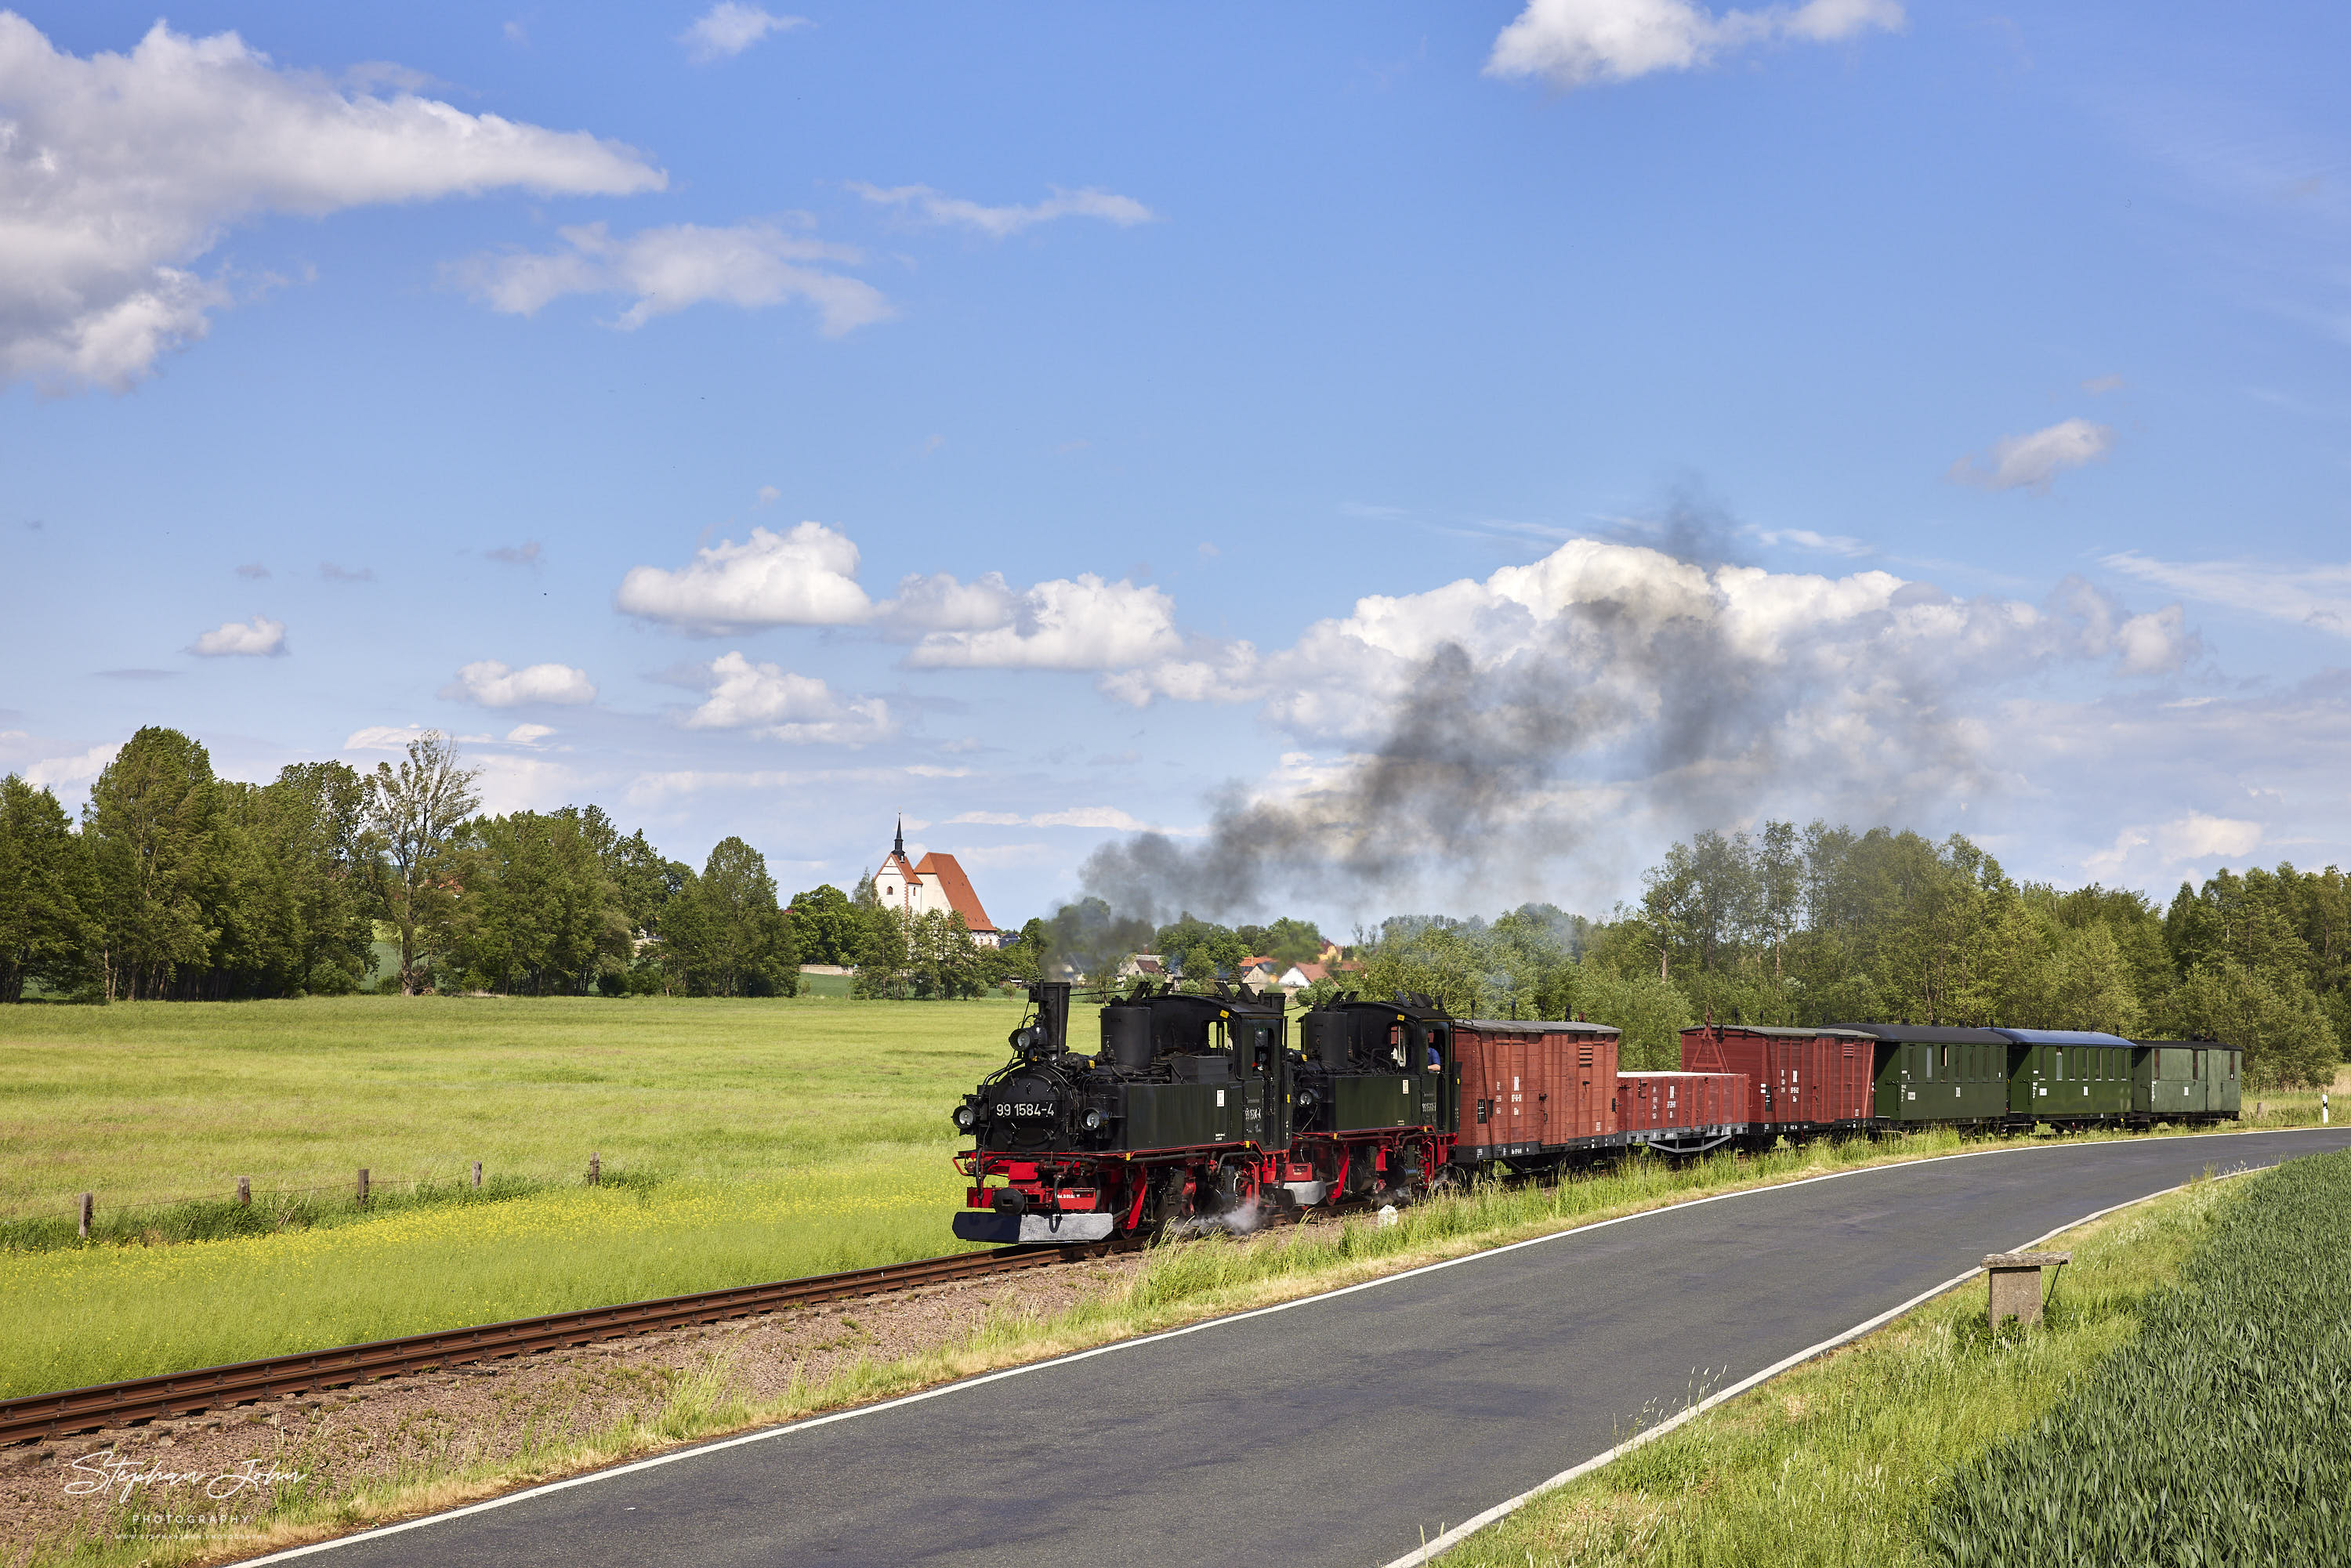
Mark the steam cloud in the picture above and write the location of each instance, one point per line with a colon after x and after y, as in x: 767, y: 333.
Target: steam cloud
x: 1614, y: 685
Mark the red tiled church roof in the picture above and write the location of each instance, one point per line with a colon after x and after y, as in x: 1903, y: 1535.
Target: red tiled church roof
x: 958, y: 887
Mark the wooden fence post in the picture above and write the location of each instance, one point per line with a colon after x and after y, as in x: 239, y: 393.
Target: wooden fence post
x: 363, y: 1187
x: 87, y: 1200
x: 595, y: 1168
x: 245, y: 1191
x: 477, y: 1173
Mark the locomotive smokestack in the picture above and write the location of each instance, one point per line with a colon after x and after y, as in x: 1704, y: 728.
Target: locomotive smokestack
x: 1052, y: 999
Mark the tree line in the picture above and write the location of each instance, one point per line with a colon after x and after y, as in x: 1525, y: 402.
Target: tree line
x: 1821, y: 925
x: 179, y: 884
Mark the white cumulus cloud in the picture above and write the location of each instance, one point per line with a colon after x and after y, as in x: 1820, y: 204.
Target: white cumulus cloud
x: 805, y: 576
x: 1570, y: 42
x: 55, y: 770
x: 1081, y: 624
x: 771, y: 701
x: 2197, y: 835
x: 1625, y: 628
x: 2032, y: 462
x: 997, y: 223
x: 119, y: 171
x: 259, y: 637
x: 730, y: 27
x: 490, y: 683
x: 749, y: 265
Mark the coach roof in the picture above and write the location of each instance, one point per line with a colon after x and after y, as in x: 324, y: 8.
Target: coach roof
x: 2060, y: 1037
x: 1928, y: 1034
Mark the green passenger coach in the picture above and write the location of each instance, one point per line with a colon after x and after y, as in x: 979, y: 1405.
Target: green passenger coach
x: 2069, y: 1075
x: 1930, y: 1072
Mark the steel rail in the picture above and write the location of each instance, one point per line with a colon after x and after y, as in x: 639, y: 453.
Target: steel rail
x: 73, y: 1410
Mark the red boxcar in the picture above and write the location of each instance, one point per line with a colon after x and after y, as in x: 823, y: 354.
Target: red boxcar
x: 1796, y: 1077
x: 1527, y: 1085
x: 1647, y: 1101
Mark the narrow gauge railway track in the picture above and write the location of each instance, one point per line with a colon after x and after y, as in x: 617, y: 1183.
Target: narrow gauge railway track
x: 74, y: 1410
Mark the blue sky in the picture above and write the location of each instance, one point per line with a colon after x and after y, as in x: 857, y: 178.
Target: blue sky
x: 764, y: 421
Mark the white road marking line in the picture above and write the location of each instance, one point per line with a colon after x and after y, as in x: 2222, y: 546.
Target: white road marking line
x: 962, y: 1385
x: 1428, y: 1551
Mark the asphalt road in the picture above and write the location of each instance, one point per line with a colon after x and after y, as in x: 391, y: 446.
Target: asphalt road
x: 1345, y: 1429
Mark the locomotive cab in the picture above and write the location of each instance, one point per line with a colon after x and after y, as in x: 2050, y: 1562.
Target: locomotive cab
x: 1368, y: 1064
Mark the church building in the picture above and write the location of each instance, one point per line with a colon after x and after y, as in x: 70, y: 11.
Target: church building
x: 937, y: 883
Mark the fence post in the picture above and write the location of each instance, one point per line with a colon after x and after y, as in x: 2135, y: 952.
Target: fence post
x: 595, y: 1168
x: 245, y: 1191
x: 477, y: 1173
x: 87, y: 1200
x: 363, y: 1187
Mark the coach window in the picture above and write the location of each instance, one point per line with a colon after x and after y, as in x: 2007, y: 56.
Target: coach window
x: 2057, y: 1062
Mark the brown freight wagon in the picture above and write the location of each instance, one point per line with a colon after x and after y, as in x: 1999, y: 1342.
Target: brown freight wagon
x: 1681, y: 1110
x: 1529, y: 1089
x: 1810, y: 1078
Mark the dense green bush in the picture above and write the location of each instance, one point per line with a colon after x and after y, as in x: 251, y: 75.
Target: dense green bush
x: 2221, y: 1436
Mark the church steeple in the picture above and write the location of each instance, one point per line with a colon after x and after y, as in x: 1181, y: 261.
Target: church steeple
x: 898, y: 848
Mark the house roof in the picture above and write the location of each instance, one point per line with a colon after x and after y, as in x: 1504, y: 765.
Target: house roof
x: 1306, y: 973
x: 958, y: 887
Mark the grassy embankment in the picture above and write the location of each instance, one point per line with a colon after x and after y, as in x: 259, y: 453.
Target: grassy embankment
x: 1935, y: 1434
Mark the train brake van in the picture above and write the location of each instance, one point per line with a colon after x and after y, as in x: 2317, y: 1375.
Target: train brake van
x: 2068, y: 1075
x: 2186, y: 1081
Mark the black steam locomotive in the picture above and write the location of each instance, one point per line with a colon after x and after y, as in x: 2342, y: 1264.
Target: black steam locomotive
x: 1200, y: 1107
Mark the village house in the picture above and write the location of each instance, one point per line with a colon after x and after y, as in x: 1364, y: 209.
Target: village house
x: 937, y: 883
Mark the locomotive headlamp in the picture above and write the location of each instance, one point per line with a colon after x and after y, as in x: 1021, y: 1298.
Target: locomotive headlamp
x: 1094, y: 1121
x: 963, y: 1117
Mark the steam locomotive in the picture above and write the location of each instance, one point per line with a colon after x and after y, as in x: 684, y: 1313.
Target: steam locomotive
x: 1200, y: 1108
